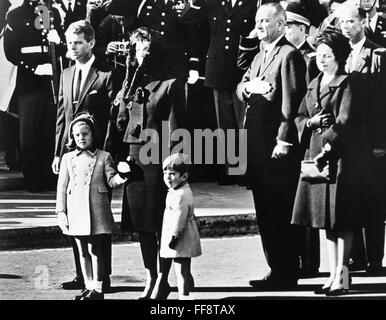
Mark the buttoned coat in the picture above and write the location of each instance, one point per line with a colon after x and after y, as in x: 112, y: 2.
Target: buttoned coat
x: 96, y: 97
x: 82, y: 191
x: 270, y: 117
x: 144, y: 200
x: 226, y: 24
x: 330, y: 205
x: 179, y: 221
x: 378, y: 36
x: 21, y: 32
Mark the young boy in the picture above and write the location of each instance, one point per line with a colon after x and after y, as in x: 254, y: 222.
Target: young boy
x: 180, y: 239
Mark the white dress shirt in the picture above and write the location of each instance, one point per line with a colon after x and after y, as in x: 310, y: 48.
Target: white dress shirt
x: 85, y: 68
x: 356, y: 49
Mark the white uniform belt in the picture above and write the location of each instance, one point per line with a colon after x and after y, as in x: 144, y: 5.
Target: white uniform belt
x: 34, y: 49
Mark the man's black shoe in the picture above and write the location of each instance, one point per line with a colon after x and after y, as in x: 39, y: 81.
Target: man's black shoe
x: 271, y: 283
x: 93, y: 295
x: 106, y: 285
x: 375, y: 269
x: 308, y: 272
x: 76, y: 284
x: 357, y: 265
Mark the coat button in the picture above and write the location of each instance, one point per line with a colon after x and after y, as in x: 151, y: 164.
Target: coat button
x: 162, y: 32
x: 226, y: 47
x: 228, y: 21
x: 162, y: 23
x: 228, y: 29
x: 163, y: 14
x: 227, y: 38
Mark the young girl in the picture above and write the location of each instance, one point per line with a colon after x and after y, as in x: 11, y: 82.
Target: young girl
x: 83, y: 205
x: 180, y: 239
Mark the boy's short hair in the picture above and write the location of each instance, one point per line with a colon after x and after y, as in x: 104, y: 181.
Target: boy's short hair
x: 82, y: 26
x: 178, y: 162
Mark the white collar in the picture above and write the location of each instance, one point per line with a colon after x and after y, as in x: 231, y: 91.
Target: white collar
x: 86, y: 66
x: 373, y: 22
x: 300, y: 45
x: 269, y: 47
x: 358, y: 46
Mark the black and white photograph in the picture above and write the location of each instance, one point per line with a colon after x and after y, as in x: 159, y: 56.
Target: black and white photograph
x: 219, y: 152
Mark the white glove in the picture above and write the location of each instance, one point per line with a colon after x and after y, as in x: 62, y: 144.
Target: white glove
x: 193, y: 76
x: 55, y: 166
x: 258, y: 86
x: 44, y: 70
x: 53, y: 36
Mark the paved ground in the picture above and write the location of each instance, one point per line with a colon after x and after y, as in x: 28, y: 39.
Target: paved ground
x: 222, y: 272
x: 20, y: 209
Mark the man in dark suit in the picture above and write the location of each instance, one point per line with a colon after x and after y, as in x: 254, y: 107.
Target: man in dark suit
x: 27, y: 45
x: 298, y: 25
x: 273, y: 88
x: 87, y: 85
x: 375, y: 29
x: 228, y: 19
x: 368, y: 77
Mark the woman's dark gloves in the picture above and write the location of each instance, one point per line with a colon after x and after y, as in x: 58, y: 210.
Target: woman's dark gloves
x: 130, y: 170
x: 320, y: 120
x: 173, y: 242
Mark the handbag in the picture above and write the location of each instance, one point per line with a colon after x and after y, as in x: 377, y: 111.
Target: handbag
x: 309, y: 172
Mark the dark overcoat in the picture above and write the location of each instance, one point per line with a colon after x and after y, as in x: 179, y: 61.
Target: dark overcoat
x: 329, y: 205
x: 144, y: 198
x: 270, y: 117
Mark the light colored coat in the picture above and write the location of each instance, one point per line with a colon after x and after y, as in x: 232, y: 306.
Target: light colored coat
x: 82, y: 191
x: 179, y: 221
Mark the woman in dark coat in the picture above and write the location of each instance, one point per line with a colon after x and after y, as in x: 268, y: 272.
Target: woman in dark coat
x: 149, y: 99
x: 326, y: 126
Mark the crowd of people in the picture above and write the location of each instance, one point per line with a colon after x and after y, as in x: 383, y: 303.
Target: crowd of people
x: 304, y: 79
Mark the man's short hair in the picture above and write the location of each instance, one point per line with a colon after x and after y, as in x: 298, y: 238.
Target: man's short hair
x: 177, y: 162
x: 82, y: 26
x: 279, y: 10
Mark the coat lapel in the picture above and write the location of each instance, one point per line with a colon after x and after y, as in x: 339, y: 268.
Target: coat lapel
x: 238, y: 5
x: 225, y: 6
x: 68, y: 82
x: 269, y: 60
x: 91, y: 77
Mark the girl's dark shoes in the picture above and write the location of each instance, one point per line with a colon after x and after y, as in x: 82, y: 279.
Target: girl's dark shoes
x: 93, y: 295
x: 148, y: 290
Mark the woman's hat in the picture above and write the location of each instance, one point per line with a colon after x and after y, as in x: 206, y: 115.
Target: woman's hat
x: 297, y: 13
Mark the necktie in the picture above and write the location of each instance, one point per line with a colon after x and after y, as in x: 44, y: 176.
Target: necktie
x: 77, y: 86
x: 265, y: 56
x: 70, y: 7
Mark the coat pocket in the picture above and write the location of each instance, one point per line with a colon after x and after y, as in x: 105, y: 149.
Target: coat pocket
x: 102, y: 189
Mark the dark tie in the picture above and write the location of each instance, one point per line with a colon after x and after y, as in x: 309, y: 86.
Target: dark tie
x: 70, y: 7
x: 77, y: 86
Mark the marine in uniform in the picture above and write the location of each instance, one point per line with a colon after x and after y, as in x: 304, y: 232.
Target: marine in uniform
x: 26, y: 46
x: 228, y: 19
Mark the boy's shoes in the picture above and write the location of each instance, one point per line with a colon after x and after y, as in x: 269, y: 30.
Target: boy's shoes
x: 82, y: 294
x: 76, y: 284
x: 93, y: 295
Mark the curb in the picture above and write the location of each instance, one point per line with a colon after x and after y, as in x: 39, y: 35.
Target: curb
x: 52, y: 237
